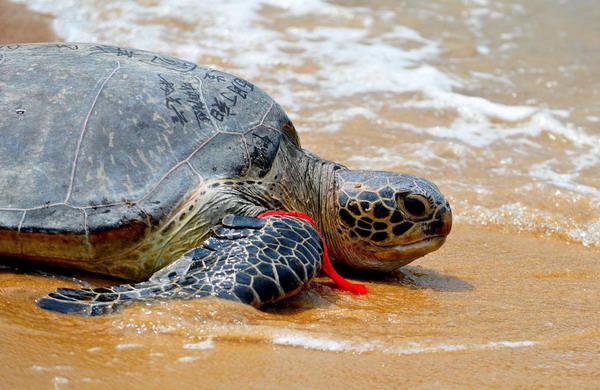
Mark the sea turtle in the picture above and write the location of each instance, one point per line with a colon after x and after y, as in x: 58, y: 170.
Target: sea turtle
x: 154, y: 169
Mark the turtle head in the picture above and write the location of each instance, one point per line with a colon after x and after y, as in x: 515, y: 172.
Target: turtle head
x: 386, y: 220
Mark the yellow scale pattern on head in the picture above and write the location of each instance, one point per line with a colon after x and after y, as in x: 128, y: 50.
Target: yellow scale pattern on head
x: 371, y: 214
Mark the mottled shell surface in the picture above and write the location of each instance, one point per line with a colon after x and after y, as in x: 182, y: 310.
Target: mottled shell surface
x: 101, y: 143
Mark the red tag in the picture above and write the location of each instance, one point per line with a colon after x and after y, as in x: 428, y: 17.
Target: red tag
x: 340, y: 282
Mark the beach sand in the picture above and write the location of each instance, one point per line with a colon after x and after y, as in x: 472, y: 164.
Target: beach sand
x: 492, y: 308
x: 19, y: 25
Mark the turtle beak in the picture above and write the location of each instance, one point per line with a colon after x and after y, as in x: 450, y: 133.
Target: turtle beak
x: 446, y: 220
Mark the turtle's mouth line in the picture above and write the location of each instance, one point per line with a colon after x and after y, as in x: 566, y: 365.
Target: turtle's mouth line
x: 421, y: 244
x: 391, y: 257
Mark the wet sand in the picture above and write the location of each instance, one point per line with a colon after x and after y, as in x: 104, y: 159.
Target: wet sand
x: 18, y: 24
x: 488, y: 309
x: 492, y: 308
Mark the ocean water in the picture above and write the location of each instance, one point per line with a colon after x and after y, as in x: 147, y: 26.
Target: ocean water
x: 497, y: 101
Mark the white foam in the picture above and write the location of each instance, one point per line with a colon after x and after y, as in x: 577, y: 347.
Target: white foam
x: 187, y: 359
x: 206, y: 344
x: 324, y: 344
x: 52, y: 368
x: 304, y: 341
x: 129, y: 345
x: 520, y: 216
x: 416, y: 348
x: 566, y: 181
x: 59, y: 380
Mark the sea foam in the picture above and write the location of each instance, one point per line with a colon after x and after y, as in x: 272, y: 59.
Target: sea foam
x: 299, y: 339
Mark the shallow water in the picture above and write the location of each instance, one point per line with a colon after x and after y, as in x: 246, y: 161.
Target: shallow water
x: 498, y: 102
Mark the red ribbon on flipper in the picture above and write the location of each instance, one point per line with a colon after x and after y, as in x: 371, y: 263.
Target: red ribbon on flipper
x: 339, y: 281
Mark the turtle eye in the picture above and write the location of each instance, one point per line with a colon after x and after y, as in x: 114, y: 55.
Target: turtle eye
x: 415, y: 205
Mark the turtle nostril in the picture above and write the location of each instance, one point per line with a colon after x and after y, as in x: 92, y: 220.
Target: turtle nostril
x: 415, y: 206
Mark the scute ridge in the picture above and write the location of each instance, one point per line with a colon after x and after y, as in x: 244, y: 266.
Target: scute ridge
x: 82, y: 133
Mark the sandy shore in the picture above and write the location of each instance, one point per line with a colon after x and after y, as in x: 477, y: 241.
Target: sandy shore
x: 489, y: 309
x: 18, y: 24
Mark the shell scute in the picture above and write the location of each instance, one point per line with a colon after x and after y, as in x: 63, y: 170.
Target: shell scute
x: 168, y: 194
x: 224, y: 155
x: 10, y: 221
x: 263, y: 144
x: 44, y: 228
x: 118, y: 127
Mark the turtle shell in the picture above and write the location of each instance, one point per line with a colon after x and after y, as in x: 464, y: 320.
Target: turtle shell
x: 101, y: 143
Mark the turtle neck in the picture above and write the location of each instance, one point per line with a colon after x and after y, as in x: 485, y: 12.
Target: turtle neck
x: 308, y: 183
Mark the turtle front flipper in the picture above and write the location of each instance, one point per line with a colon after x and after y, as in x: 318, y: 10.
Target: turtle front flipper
x: 250, y: 260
